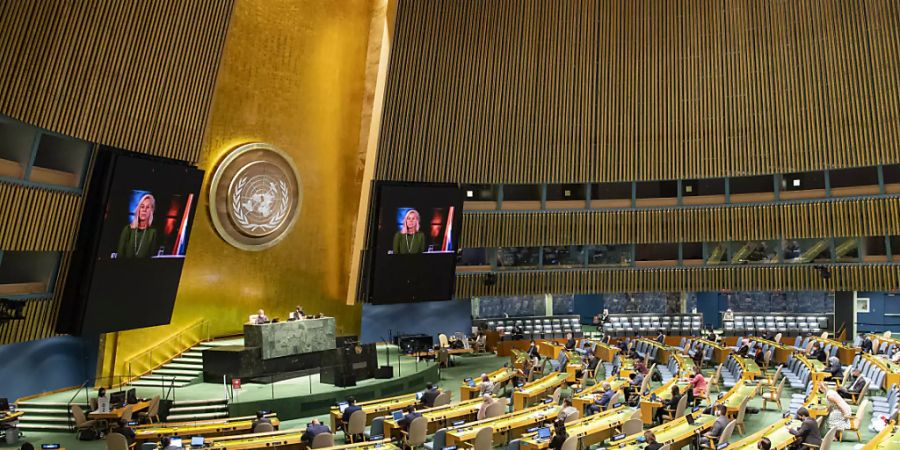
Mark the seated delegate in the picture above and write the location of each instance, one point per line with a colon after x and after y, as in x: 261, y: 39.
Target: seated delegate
x: 315, y: 427
x: 261, y: 318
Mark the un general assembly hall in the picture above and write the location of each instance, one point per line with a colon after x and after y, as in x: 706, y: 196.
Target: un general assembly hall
x: 450, y: 224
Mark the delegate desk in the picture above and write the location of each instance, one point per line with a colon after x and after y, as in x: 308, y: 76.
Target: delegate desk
x: 891, y: 370
x: 498, y: 377
x: 782, y: 352
x: 537, y: 388
x: 115, y: 414
x: 573, y: 365
x: 720, y: 352
x: 777, y: 433
x: 604, y: 351
x: 505, y: 427
x: 663, y: 351
x: 589, y: 430
x: 439, y: 417
x: 293, y: 337
x: 663, y: 392
x: 213, y: 427
x: 887, y: 439
x: 587, y: 396
x: 286, y: 441
x: 816, y: 368
x: 737, y: 394
x: 550, y: 349
x: 749, y: 369
x: 684, y: 365
x: 677, y: 433
x: 845, y: 352
x: 375, y: 408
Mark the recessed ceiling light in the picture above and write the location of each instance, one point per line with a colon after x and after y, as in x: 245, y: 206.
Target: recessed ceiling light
x: 796, y: 182
x: 470, y: 194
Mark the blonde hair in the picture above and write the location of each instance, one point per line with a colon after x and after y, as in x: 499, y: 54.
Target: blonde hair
x: 135, y: 220
x: 418, y: 221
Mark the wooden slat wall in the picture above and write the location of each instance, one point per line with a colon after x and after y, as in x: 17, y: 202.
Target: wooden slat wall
x: 570, y: 91
x: 40, y: 314
x: 132, y: 74
x: 843, y: 278
x: 845, y: 218
x: 35, y: 219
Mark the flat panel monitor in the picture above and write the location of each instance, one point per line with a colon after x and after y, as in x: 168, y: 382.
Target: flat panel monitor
x: 342, y: 406
x: 117, y: 399
x: 543, y: 433
x: 414, y: 240
x: 197, y: 441
x: 397, y: 415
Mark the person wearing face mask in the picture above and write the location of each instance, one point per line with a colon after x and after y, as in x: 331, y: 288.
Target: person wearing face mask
x: 409, y: 240
x: 138, y: 238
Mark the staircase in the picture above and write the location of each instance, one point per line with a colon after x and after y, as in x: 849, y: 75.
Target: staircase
x: 46, y: 416
x: 184, y: 369
x: 197, y: 410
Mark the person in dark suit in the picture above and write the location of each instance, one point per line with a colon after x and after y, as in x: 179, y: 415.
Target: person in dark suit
x: 260, y: 418
x: 669, y: 406
x: 855, y: 387
x: 834, y: 368
x: 431, y: 393
x: 592, y: 362
x: 407, y: 419
x: 349, y: 410
x: 559, y: 435
x: 661, y: 337
x: 808, y: 433
x: 166, y: 444
x: 718, y: 426
x: 866, y: 343
x: 533, y: 350
x: 816, y: 352
x: 652, y: 444
x: 570, y: 342
x: 744, y: 348
x: 312, y: 429
x: 126, y: 431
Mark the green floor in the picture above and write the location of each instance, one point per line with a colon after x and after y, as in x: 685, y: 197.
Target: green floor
x: 466, y: 366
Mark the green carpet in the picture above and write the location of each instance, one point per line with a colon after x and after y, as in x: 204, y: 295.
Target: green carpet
x: 466, y: 366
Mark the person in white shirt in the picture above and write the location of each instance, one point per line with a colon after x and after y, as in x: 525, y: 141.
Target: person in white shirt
x: 102, y: 401
x: 482, y: 410
x: 567, y: 410
x: 261, y: 317
x: 487, y: 386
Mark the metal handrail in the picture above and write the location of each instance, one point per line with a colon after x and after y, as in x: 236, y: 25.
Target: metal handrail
x: 87, y: 401
x: 172, y: 346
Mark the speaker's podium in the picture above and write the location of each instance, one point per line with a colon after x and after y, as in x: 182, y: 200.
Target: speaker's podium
x: 348, y: 364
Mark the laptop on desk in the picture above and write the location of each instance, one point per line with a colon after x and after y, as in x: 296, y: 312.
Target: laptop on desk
x: 397, y: 415
x: 543, y: 433
x: 342, y: 406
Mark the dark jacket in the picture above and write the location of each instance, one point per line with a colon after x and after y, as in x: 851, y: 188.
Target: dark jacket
x: 818, y: 354
x: 744, y: 350
x: 653, y: 446
x: 867, y: 345
x: 570, y: 344
x: 348, y: 411
x: 127, y: 432
x: 557, y: 441
x: 718, y: 426
x: 808, y: 433
x: 407, y: 419
x: 259, y: 421
x: 428, y: 397
x: 312, y: 430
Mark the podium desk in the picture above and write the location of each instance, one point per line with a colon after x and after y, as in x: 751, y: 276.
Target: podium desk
x: 439, y: 417
x: 375, y: 408
x: 537, y: 388
x: 589, y: 430
x: 293, y: 337
x: 505, y: 427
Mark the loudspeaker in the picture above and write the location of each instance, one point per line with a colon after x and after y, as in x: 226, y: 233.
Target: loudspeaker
x: 384, y: 372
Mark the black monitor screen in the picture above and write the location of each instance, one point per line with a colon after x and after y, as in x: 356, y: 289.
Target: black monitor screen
x: 416, y: 240
x: 131, y: 245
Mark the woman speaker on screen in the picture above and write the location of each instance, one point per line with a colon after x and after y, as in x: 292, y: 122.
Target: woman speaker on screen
x: 409, y: 240
x: 138, y: 238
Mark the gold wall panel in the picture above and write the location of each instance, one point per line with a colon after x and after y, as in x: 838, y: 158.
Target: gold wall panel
x: 132, y: 74
x: 860, y: 217
x: 35, y: 219
x: 843, y: 278
x: 293, y: 74
x: 570, y: 91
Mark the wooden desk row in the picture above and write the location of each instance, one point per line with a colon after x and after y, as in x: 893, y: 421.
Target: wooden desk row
x: 604, y: 351
x: 845, y: 352
x: 677, y: 432
x: 782, y: 352
x: 590, y: 430
x: 440, y: 417
x: 214, y: 427
x: 891, y: 370
x: 536, y: 389
x: 582, y: 399
x: 887, y: 439
x: 498, y: 377
x: 117, y: 413
x: 506, y: 427
x: 720, y: 352
x: 375, y: 408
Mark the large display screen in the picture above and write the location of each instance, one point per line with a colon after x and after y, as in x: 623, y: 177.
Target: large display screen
x: 415, y: 242
x: 134, y: 238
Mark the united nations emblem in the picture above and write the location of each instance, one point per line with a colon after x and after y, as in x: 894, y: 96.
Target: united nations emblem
x: 255, y: 196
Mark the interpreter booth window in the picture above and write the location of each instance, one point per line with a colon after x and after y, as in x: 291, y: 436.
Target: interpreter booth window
x: 609, y: 255
x: 804, y: 185
x: 846, y: 250
x: 716, y: 253
x: 611, y: 195
x: 649, y: 255
x: 472, y: 258
x: 891, y: 179
x: 692, y: 253
x: 752, y: 189
x: 657, y: 193
x: 567, y: 196
x: 873, y: 249
x: 514, y: 306
x: 563, y: 304
x: 754, y: 252
x: 806, y: 251
x: 31, y: 274
x: 564, y: 256
x: 703, y: 191
x: 521, y: 196
x: 854, y: 182
x: 480, y: 197
x: 518, y: 257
